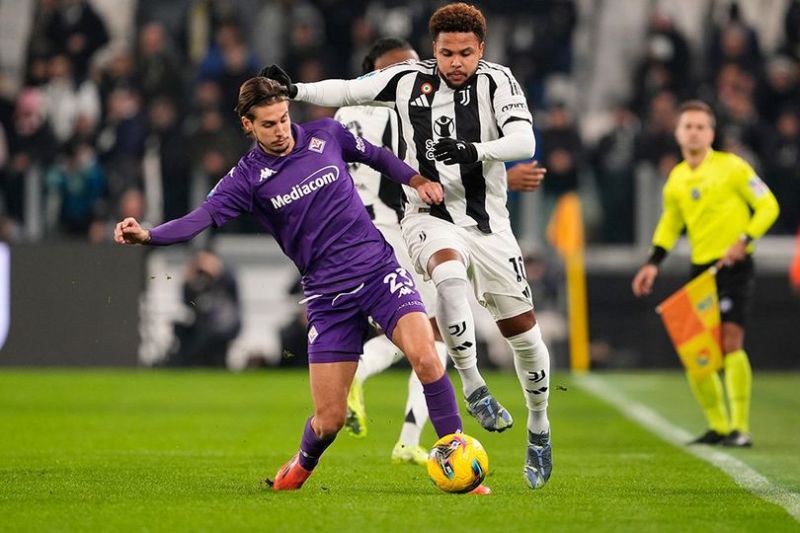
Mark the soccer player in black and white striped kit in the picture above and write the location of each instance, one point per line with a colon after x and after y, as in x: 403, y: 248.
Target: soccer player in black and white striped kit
x: 461, y: 117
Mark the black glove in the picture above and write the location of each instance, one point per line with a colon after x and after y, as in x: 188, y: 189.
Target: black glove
x: 274, y: 72
x: 452, y: 151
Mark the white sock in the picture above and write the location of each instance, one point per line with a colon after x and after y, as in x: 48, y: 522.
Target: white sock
x: 416, y: 407
x: 456, y: 323
x: 379, y: 354
x: 532, y: 363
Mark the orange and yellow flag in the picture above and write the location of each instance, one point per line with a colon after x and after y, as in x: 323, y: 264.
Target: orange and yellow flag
x: 691, y: 316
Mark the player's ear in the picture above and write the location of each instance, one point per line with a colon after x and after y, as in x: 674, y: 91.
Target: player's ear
x: 480, y: 49
x: 247, y: 126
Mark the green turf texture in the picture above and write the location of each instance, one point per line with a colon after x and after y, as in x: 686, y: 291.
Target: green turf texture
x: 185, y: 451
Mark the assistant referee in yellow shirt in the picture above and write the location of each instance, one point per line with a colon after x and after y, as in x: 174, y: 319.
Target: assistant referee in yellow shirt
x: 725, y: 207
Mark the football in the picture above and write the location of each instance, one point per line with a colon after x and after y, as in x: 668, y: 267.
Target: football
x: 457, y: 463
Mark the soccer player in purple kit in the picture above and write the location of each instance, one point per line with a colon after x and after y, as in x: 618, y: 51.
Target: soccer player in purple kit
x: 295, y: 182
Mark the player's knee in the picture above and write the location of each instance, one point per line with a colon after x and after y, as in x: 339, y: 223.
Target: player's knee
x: 427, y: 365
x: 450, y: 274
x: 328, y: 428
x: 329, y: 422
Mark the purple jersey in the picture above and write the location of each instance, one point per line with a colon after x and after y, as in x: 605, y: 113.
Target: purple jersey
x: 308, y: 202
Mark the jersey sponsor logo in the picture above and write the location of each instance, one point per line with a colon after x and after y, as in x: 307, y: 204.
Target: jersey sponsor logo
x: 464, y: 95
x: 443, y: 127
x: 758, y: 187
x: 266, y: 173
x: 511, y: 107
x: 317, y: 180
x: 360, y: 146
x: 316, y: 145
x: 429, y: 149
x: 312, y: 335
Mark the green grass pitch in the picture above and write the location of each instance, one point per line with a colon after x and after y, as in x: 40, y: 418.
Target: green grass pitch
x: 185, y: 451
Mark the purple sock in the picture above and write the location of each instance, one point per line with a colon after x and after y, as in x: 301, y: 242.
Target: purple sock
x: 312, y: 447
x: 442, y: 407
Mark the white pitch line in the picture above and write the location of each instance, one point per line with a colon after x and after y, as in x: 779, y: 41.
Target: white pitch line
x: 740, y: 472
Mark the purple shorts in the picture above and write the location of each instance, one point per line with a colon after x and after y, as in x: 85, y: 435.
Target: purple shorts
x: 338, y: 323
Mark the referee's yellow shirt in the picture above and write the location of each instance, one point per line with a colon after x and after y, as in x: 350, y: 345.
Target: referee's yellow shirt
x: 716, y: 202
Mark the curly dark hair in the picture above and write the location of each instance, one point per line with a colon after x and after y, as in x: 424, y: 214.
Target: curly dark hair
x: 259, y: 91
x: 458, y: 18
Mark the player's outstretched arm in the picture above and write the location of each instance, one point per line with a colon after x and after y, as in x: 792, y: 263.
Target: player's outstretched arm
x: 179, y: 230
x: 337, y: 93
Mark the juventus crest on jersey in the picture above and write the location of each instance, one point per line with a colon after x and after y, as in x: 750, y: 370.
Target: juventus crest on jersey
x: 475, y: 194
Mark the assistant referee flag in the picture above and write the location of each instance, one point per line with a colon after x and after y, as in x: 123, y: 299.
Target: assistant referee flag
x: 692, y: 318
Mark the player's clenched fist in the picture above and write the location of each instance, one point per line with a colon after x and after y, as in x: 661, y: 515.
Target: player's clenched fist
x: 429, y: 191
x: 130, y: 232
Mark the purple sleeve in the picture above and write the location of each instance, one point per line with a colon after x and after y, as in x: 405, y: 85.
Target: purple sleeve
x: 358, y: 150
x: 230, y: 197
x: 181, y: 229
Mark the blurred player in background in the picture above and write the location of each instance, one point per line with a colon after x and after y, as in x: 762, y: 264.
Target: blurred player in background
x: 294, y: 181
x: 383, y: 199
x: 724, y: 206
x: 461, y: 118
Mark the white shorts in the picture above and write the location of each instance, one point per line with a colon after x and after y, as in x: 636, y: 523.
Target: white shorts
x: 494, y: 261
x: 391, y: 232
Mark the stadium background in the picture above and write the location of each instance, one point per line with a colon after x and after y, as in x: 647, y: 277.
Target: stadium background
x: 114, y: 108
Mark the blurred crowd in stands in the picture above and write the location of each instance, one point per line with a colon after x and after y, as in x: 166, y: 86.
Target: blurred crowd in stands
x: 106, y: 128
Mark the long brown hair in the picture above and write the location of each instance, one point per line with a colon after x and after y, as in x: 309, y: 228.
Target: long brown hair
x: 259, y: 91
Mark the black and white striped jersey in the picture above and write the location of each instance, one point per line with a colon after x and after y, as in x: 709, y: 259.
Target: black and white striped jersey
x: 488, y: 107
x: 382, y: 197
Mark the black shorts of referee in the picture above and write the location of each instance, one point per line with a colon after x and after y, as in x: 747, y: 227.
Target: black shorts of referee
x: 735, y: 288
